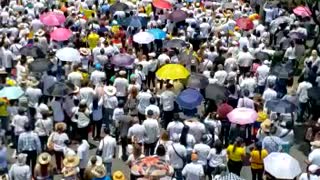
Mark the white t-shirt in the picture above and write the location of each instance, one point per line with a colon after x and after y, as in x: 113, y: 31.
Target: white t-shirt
x: 108, y: 145
x: 33, y: 95
x: 174, y: 127
x: 262, y: 73
x: 314, y: 157
x: 121, y: 84
x: 215, y: 159
x: 18, y: 122
x: 97, y: 77
x: 58, y: 115
x: 87, y: 93
x: 202, y: 150
x: 75, y: 78
x: 59, y: 141
x: 193, y: 171
x: 83, y: 153
x: 304, y: 176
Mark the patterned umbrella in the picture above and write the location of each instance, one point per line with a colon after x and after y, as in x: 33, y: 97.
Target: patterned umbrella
x: 178, y: 15
x: 39, y: 65
x: 150, y: 166
x: 197, y: 81
x: 245, y: 23
x: 118, y: 7
x: 189, y: 99
x: 122, y: 60
x: 60, y: 89
x: 33, y: 51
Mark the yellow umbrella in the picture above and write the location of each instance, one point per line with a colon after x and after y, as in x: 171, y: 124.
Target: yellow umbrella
x: 172, y: 71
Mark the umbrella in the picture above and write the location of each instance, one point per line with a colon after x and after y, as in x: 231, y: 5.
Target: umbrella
x: 61, y: 34
x: 198, y: 81
x: 52, y: 19
x: 244, y: 23
x: 68, y: 54
x: 228, y: 5
x: 178, y: 15
x: 150, y: 166
x: 215, y: 92
x: 143, y: 38
x: 229, y: 176
x: 12, y: 92
x: 314, y: 93
x: 281, y: 106
x: 302, y: 11
x: 157, y: 33
x: 274, y: 25
x: 33, y: 51
x: 134, y: 21
x: 189, y: 99
x: 118, y: 7
x: 174, y: 43
x: 172, y: 71
x: 297, y: 35
x: 283, y: 71
x: 262, y: 56
x: 242, y: 116
x: 39, y: 65
x: 281, y: 166
x: 122, y: 60
x: 60, y: 89
x: 187, y: 57
x: 162, y: 4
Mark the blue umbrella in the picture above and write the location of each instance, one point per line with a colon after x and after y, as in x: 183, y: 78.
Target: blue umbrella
x: 157, y: 33
x: 189, y: 99
x: 135, y: 21
x: 12, y: 92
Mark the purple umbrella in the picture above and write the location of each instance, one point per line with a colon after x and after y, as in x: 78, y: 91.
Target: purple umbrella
x: 189, y: 99
x: 122, y: 60
x: 178, y: 15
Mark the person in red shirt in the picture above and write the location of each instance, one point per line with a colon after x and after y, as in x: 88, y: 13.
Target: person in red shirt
x: 223, y: 109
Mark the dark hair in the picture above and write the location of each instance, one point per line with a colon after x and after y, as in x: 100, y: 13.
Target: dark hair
x: 184, y: 135
x: 152, y: 100
x: 27, y: 127
x: 218, y: 146
x: 161, y: 150
x: 106, y: 130
x: 258, y: 146
x: 237, y: 143
x: 246, y: 92
x: 95, y: 102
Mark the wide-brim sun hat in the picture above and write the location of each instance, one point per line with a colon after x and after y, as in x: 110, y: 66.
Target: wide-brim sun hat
x: 110, y: 90
x: 60, y: 126
x: 44, y: 158
x: 71, y: 161
x: 99, y: 171
x: 266, y: 125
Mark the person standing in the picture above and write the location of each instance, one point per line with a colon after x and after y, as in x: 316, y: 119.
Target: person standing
x: 96, y: 112
x: 176, y: 126
x: 167, y: 99
x: 20, y: 170
x: 124, y: 125
x: 177, y: 155
x: 302, y: 93
x: 121, y: 84
x: 143, y: 98
x: 217, y: 157
x: 83, y: 154
x: 193, y: 170
x: 256, y: 160
x: 202, y: 150
x: 152, y: 135
x: 18, y: 122
x: 83, y: 120
x: 262, y: 74
x: 44, y: 127
x: 44, y: 168
x: 107, y: 147
x: 136, y: 132
x: 110, y: 102
x: 33, y: 94
x: 236, y: 154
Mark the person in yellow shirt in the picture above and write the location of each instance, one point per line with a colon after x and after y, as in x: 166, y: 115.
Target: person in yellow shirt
x: 4, y: 113
x: 236, y: 153
x: 256, y: 160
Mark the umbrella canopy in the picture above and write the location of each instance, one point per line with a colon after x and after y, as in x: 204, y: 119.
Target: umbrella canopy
x: 198, y: 81
x: 314, y: 93
x: 244, y: 23
x: 52, y: 19
x: 143, y: 38
x: 215, y: 92
x: 302, y: 11
x: 242, y: 116
x: 150, y: 166
x: 157, y: 33
x: 297, y: 35
x: 122, y: 60
x: 229, y: 176
x: 68, y: 54
x: 61, y: 34
x: 172, y: 71
x: 189, y: 99
x: 281, y: 165
x: 281, y: 106
x: 262, y: 56
x: 162, y: 4
x: 12, y: 92
x: 118, y: 7
x: 174, y: 43
x: 178, y: 15
x: 188, y: 57
x: 135, y: 21
x: 60, y: 89
x: 274, y: 25
x: 33, y: 51
x: 283, y: 71
x: 39, y: 65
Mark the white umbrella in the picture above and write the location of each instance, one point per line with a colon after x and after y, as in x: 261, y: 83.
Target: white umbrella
x: 282, y: 166
x: 143, y: 38
x: 68, y: 54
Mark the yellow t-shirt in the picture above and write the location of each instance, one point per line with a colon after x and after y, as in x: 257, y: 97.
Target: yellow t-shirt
x: 93, y: 40
x: 237, y: 154
x: 257, y: 160
x: 3, y: 107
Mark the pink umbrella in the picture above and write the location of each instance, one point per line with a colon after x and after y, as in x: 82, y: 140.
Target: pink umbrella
x: 302, y: 11
x: 52, y: 19
x: 242, y: 116
x: 61, y: 34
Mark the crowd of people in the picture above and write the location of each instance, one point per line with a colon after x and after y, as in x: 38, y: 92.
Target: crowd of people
x: 173, y: 89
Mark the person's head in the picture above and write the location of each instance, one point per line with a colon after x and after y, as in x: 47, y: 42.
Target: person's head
x: 137, y: 151
x: 106, y: 131
x: 238, y: 142
x: 313, y: 168
x: 161, y: 150
x: 184, y: 134
x: 194, y: 157
x: 93, y: 160
x: 169, y: 86
x: 245, y: 49
x: 164, y: 136
x: 21, y: 111
x: 258, y: 146
x: 152, y: 100
x: 150, y: 113
x: 27, y: 127
x: 218, y: 146
x: 176, y: 117
x: 246, y: 93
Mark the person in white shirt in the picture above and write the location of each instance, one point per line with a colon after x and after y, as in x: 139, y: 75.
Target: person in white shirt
x: 175, y: 126
x: 75, y: 76
x: 107, y: 147
x: 245, y: 101
x: 136, y: 132
x: 154, y: 108
x: 244, y: 61
x: 220, y: 75
x: 269, y: 93
x: 177, y: 155
x: 152, y: 133
x: 311, y: 173
x: 33, y: 94
x: 56, y: 106
x: 152, y: 67
x: 7, y: 59
x: 83, y: 154
x: 167, y: 99
x: 193, y: 170
x: 302, y: 93
x: 44, y: 127
x: 202, y: 150
x: 121, y: 84
x: 97, y: 76
x: 217, y: 157
x: 249, y: 83
x: 110, y: 102
x: 262, y: 74
x: 143, y: 98
x: 18, y: 122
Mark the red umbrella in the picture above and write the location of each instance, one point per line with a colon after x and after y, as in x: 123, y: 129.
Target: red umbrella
x: 244, y: 23
x: 162, y: 4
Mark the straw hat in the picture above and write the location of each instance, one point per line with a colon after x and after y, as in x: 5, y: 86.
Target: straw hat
x: 44, y: 158
x: 69, y: 172
x: 110, y: 90
x: 84, y: 51
x: 71, y: 161
x: 40, y: 32
x: 33, y: 82
x: 118, y: 175
x: 266, y: 125
x: 99, y: 171
x: 60, y: 126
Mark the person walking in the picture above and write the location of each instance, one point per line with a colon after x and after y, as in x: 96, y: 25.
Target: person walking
x: 44, y: 127
x: 44, y: 168
x: 256, y: 161
x: 236, y: 154
x: 20, y: 170
x: 152, y: 135
x: 217, y: 157
x: 96, y: 114
x: 193, y: 170
x: 177, y: 155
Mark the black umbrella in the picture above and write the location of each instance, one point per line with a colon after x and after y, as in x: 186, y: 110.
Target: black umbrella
x: 262, y: 56
x: 215, y: 92
x: 33, y: 51
x: 135, y: 21
x: 39, y: 65
x: 60, y: 89
x: 281, y: 106
x: 197, y: 81
x: 282, y: 70
x: 119, y: 7
x: 174, y: 43
x: 314, y: 93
